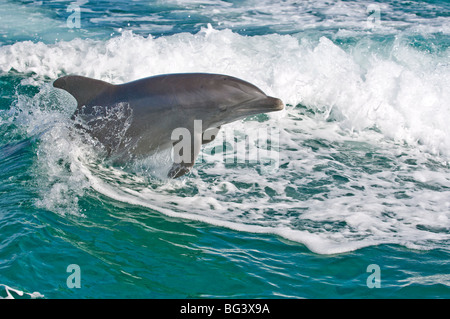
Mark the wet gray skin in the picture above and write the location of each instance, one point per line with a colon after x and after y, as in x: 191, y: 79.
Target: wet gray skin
x: 135, y: 119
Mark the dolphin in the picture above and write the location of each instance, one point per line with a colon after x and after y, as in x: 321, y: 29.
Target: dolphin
x: 135, y: 119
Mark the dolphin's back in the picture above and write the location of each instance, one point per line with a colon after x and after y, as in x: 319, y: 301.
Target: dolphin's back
x: 183, y: 88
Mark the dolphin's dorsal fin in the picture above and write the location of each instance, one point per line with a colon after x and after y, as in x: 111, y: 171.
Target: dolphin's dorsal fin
x: 83, y: 89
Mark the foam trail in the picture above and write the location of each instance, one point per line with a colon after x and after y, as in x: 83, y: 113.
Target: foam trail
x: 392, y: 91
x: 314, y: 242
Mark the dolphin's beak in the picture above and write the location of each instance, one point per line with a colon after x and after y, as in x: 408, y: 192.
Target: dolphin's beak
x: 277, y: 104
x: 257, y: 106
x: 60, y: 83
x: 269, y: 104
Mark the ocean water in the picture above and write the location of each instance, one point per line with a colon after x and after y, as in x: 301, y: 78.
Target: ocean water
x: 354, y: 202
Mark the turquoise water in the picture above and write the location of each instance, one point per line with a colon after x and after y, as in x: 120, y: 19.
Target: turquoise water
x: 360, y: 173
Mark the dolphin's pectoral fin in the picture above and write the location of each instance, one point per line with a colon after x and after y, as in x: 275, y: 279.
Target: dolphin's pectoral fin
x: 180, y: 169
x: 210, y: 134
x: 185, y: 152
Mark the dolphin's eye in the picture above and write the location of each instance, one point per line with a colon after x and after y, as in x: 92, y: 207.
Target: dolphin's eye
x: 222, y: 108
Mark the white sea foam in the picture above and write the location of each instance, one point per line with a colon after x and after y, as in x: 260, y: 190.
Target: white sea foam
x: 404, y: 94
x: 10, y: 291
x: 363, y: 158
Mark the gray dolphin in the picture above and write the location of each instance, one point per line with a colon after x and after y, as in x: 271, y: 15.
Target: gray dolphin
x: 138, y: 118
